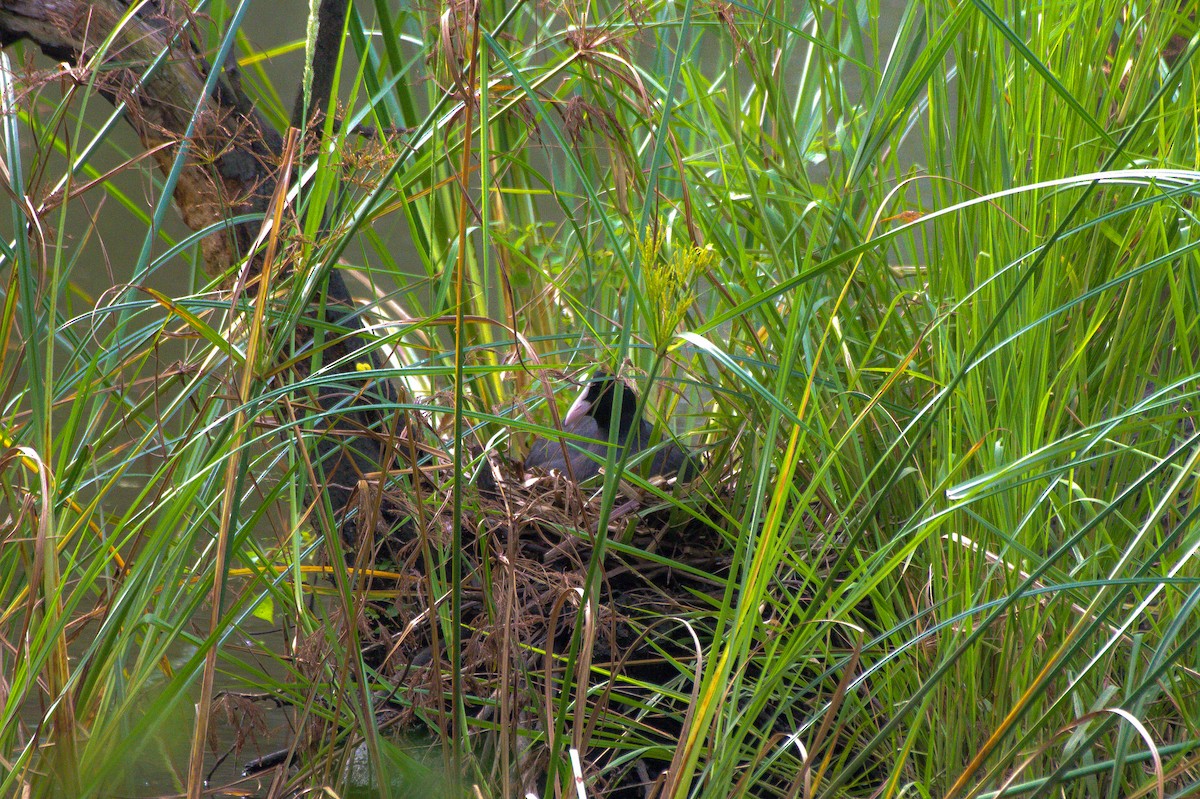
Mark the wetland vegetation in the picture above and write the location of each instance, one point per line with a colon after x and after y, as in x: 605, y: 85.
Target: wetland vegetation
x: 919, y: 289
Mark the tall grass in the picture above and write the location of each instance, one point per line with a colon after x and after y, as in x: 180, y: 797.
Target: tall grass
x: 939, y: 346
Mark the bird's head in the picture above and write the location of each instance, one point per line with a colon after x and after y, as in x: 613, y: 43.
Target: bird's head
x: 598, y: 400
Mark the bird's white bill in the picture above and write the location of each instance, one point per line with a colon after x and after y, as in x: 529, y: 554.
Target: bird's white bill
x: 579, y: 408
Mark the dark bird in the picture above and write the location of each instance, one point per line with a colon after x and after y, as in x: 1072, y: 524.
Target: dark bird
x: 591, y: 417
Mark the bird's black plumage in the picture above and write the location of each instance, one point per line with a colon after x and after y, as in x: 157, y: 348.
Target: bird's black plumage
x: 591, y: 416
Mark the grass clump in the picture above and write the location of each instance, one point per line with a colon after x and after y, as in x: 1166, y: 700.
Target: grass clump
x: 924, y: 295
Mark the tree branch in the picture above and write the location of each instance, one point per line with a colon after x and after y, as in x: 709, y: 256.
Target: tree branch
x: 230, y: 168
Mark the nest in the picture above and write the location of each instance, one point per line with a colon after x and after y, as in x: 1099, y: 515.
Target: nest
x: 527, y: 543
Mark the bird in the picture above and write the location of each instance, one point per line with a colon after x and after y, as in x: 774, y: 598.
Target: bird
x: 591, y: 417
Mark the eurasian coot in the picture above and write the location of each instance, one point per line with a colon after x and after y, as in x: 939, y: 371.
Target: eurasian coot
x: 591, y: 417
